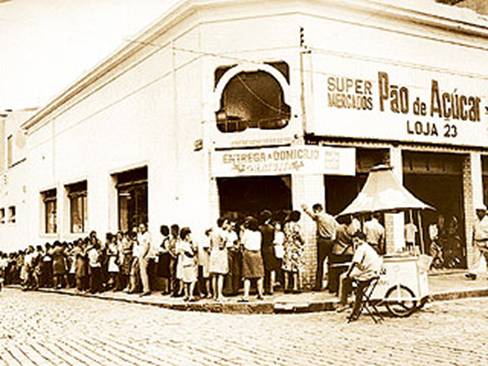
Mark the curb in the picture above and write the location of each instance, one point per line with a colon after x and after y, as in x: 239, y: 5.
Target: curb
x: 266, y: 307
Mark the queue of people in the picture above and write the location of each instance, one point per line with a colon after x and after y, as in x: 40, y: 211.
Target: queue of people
x: 268, y: 251
x: 238, y: 251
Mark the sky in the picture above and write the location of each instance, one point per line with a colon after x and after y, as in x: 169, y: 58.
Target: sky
x: 46, y: 45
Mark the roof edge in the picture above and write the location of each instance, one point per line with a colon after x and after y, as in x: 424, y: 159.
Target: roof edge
x: 182, y: 10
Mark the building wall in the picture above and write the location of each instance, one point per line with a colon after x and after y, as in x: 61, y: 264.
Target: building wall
x: 14, y: 183
x: 152, y: 105
x: 149, y: 112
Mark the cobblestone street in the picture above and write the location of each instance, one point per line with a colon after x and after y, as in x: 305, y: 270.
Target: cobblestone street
x: 46, y: 329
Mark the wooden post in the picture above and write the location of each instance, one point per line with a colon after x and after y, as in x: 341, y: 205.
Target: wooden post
x: 421, y: 233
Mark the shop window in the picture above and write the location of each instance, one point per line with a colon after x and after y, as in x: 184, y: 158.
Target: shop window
x: 11, y: 215
x: 77, y: 194
x: 50, y: 211
x: 252, y: 100
x: 366, y: 159
x: 10, y: 151
x: 248, y: 196
x: 2, y: 216
x: 426, y: 163
x: 132, y: 192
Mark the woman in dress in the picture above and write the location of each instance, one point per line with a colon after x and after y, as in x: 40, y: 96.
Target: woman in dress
x: 124, y: 245
x: 293, y: 260
x: 271, y: 263
x: 204, y: 262
x: 252, y: 261
x: 189, y: 265
x: 59, y: 265
x: 164, y: 260
x: 71, y: 264
x: 81, y: 265
x: 218, y: 261
x: 113, y: 263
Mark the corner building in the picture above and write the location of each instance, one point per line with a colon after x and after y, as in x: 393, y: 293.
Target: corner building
x: 226, y: 106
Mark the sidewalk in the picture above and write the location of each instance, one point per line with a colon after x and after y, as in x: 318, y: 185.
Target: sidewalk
x: 442, y: 287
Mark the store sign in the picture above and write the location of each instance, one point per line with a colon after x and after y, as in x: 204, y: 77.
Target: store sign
x: 388, y: 102
x: 283, y: 161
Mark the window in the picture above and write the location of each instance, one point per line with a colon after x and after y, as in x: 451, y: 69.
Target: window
x: 11, y: 214
x: 252, y: 100
x: 50, y: 211
x: 2, y: 216
x: 132, y: 198
x: 77, y: 194
x: 10, y: 151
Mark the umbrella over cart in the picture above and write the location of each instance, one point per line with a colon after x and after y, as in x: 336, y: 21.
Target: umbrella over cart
x: 403, y: 286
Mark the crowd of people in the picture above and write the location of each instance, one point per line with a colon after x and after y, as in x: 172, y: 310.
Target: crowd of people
x: 235, y: 252
x: 268, y: 250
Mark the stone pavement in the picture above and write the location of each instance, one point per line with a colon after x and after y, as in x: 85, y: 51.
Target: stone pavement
x: 51, y: 329
x: 442, y: 287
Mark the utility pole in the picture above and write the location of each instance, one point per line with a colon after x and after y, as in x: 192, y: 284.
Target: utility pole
x: 304, y: 50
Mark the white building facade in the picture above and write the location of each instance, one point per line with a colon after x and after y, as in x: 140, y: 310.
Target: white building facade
x: 226, y: 106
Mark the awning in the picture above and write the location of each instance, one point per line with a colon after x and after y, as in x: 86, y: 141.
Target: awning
x: 383, y: 192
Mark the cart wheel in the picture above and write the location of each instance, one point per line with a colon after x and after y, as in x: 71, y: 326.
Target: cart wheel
x: 399, y: 300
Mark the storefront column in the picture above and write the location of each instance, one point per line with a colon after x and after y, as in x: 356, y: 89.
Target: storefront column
x: 394, y: 223
x: 473, y: 196
x: 62, y: 213
x: 308, y: 189
x: 213, y: 202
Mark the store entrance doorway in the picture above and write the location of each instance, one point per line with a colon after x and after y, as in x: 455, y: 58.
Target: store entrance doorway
x: 250, y: 195
x: 437, y: 180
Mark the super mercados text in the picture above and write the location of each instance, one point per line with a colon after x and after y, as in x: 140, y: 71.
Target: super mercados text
x: 348, y: 93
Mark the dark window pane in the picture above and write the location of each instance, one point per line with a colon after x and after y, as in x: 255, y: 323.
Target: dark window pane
x: 252, y: 100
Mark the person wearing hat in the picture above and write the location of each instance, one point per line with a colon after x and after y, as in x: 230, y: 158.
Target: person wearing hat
x: 480, y: 243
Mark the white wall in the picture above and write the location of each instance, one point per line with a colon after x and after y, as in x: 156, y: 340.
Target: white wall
x: 151, y: 107
x: 14, y: 184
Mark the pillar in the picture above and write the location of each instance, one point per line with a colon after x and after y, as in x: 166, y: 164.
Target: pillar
x: 473, y: 196
x: 213, y: 203
x: 62, y: 213
x: 394, y: 223
x: 308, y: 189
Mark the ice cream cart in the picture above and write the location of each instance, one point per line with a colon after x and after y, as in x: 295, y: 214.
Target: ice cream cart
x: 403, y: 284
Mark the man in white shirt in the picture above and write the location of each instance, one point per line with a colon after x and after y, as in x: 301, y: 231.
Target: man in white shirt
x: 366, y: 264
x: 480, y: 243
x: 410, y: 235
x: 375, y: 233
x: 144, y: 240
x: 326, y: 234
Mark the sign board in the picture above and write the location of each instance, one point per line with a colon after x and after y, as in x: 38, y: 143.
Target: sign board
x: 387, y: 102
x: 283, y: 161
